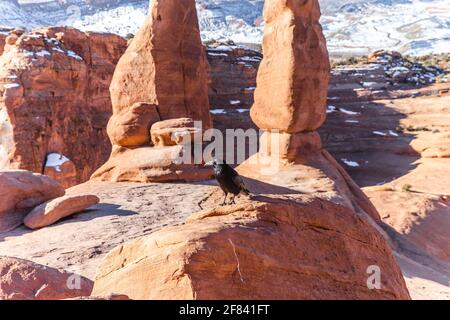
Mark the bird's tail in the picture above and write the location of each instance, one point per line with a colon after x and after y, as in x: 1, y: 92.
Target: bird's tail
x: 245, y: 191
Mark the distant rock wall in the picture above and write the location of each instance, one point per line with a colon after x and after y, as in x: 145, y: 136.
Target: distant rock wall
x: 70, y: 102
x: 54, y: 98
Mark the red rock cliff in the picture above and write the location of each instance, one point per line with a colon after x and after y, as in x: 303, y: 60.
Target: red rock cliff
x: 54, y: 100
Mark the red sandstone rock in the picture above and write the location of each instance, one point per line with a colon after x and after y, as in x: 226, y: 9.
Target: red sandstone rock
x: 54, y: 98
x: 232, y: 74
x: 432, y: 145
x: 57, y: 209
x: 165, y: 65
x: 293, y: 76
x: 20, y: 192
x: 374, y: 56
x: 173, y: 132
x: 421, y: 219
x: 297, y: 163
x: 151, y: 164
x: 131, y: 126
x: 262, y: 249
x: 26, y: 280
x: 2, y: 42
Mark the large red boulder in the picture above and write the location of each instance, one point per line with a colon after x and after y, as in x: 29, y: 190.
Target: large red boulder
x: 266, y: 248
x: 21, y: 191
x: 57, y: 209
x: 26, y: 280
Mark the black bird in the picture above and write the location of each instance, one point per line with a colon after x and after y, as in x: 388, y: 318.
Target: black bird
x: 229, y: 180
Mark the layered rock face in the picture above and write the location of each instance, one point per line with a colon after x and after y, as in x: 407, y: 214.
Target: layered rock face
x: 232, y: 76
x: 162, y: 76
x: 54, y: 99
x: 255, y: 251
x: 293, y: 76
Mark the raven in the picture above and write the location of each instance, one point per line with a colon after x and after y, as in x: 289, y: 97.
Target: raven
x: 229, y: 180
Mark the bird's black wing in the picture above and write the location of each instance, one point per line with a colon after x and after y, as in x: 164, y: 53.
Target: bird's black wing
x: 238, y: 181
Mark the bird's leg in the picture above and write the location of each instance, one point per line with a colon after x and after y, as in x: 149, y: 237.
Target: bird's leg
x: 233, y: 199
x: 224, y: 200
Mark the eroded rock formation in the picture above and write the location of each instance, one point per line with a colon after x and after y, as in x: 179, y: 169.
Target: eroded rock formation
x: 270, y: 249
x: 290, y: 103
x: 21, y: 191
x: 57, y: 209
x: 162, y: 76
x: 293, y: 76
x: 165, y: 65
x: 54, y: 99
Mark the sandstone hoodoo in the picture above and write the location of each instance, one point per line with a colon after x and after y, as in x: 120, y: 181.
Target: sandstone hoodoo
x: 26, y: 280
x: 54, y: 99
x: 21, y: 191
x: 162, y: 76
x: 292, y: 80
x: 270, y: 249
x: 165, y: 65
x: 290, y: 103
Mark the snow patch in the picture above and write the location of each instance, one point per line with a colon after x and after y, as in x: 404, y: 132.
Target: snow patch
x: 40, y: 53
x: 331, y: 109
x: 56, y: 160
x: 392, y: 133
x: 250, y: 59
x: 350, y: 163
x: 218, y: 111
x: 369, y: 84
x: 11, y: 85
x: 217, y: 54
x: 352, y: 113
x: 58, y: 50
x: 72, y: 54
